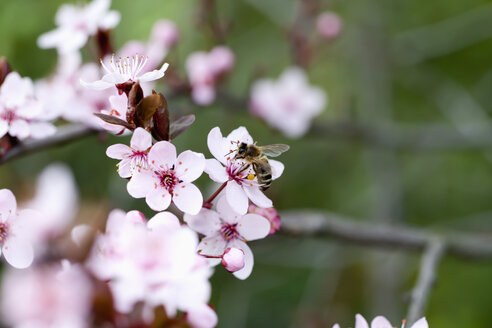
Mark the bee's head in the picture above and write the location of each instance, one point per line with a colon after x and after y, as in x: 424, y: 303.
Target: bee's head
x: 241, y: 150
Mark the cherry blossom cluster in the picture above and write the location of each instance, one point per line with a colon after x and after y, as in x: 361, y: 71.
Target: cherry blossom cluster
x: 157, y: 270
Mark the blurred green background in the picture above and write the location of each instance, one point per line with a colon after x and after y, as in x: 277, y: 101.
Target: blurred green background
x: 403, y: 64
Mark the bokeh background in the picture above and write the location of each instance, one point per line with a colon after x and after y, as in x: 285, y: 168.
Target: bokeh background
x: 398, y: 66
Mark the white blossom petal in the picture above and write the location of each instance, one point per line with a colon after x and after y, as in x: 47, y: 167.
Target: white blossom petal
x: 380, y: 322
x: 421, y: 323
x: 162, y: 155
x: 141, y: 140
x: 206, y: 222
x: 360, y: 322
x: 8, y: 204
x: 158, y: 199
x: 277, y: 168
x: 237, y: 197
x: 154, y: 75
x: 118, y: 151
x: 188, y: 198
x: 257, y: 196
x: 216, y: 171
x: 165, y: 220
x: 227, y: 212
x: 18, y: 252
x: 141, y: 183
x: 253, y: 227
x: 189, y: 165
x: 212, y: 245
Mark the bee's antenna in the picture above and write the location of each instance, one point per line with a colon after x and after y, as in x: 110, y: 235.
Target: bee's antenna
x: 229, y: 153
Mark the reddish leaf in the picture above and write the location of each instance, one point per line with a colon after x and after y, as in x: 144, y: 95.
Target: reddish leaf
x: 114, y: 120
x: 134, y: 97
x: 180, y: 125
x: 160, y: 129
x: 146, y: 109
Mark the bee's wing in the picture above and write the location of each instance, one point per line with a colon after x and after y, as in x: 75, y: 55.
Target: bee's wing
x: 274, y: 150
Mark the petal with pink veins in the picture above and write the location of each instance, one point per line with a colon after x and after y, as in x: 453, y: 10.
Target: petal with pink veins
x: 227, y: 212
x: 8, y: 204
x: 253, y: 226
x: 141, y: 183
x: 248, y: 259
x: 257, y: 196
x: 189, y: 165
x: 277, y: 168
x: 158, y: 199
x: 206, y: 222
x: 212, y: 245
x: 188, y: 198
x: 237, y: 197
x: 162, y: 155
x: 118, y: 151
x: 360, y: 322
x: 166, y: 220
x: 18, y: 252
x: 216, y: 171
x: 380, y: 322
x: 141, y: 140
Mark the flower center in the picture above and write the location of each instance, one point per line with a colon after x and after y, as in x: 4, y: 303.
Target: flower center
x: 8, y: 115
x: 234, y: 171
x: 139, y: 159
x: 4, y: 231
x: 229, y: 232
x: 128, y: 66
x: 168, y: 179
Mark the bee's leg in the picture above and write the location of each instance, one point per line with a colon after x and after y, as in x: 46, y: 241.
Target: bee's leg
x: 244, y: 168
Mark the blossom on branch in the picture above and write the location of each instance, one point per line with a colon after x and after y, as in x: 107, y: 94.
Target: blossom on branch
x: 288, y: 104
x: 329, y: 25
x: 14, y: 231
x: 76, y: 24
x: 382, y: 322
x: 21, y: 114
x: 226, y: 228
x: 205, y: 69
x: 225, y: 169
x: 153, y: 262
x: 168, y: 178
x: 123, y: 70
x: 132, y: 157
x: 55, y: 297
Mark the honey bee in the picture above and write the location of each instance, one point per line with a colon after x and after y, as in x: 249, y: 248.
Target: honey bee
x: 256, y: 157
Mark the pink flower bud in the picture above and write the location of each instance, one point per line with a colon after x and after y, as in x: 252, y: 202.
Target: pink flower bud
x: 222, y: 59
x: 329, y: 25
x: 233, y: 259
x: 165, y: 32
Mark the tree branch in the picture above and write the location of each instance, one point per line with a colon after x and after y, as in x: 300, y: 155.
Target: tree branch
x: 310, y: 223
x: 427, y: 276
x: 65, y: 134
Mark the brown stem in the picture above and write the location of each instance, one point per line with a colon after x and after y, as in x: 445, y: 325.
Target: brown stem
x: 208, y: 203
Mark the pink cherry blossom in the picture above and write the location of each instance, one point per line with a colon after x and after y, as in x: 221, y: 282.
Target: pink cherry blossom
x: 56, y: 297
x: 269, y: 213
x: 132, y: 157
x: 163, y: 37
x: 21, y: 113
x: 56, y: 200
x: 63, y: 96
x: 202, y: 317
x: 76, y: 24
x: 154, y: 262
x: 227, y: 228
x: 382, y: 322
x: 225, y: 168
x: 168, y: 179
x: 14, y: 231
x: 288, y: 104
x: 205, y: 70
x: 126, y: 69
x: 233, y: 259
x: 329, y: 25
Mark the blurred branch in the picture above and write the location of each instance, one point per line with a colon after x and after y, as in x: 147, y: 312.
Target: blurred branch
x: 427, y: 276
x: 311, y: 223
x: 64, y: 135
x: 447, y: 36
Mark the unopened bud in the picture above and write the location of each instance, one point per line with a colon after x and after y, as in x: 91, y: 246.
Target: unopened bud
x: 233, y: 259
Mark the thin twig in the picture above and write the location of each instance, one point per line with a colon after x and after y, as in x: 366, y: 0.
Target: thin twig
x: 64, y: 135
x: 461, y: 245
x: 427, y: 276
